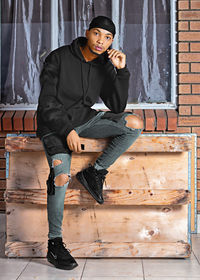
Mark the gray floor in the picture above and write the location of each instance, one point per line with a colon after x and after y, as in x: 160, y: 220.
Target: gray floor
x: 105, y: 269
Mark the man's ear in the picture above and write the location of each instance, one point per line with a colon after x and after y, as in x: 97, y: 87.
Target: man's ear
x: 86, y: 33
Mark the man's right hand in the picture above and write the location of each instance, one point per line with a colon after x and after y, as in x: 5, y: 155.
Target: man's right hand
x: 73, y: 142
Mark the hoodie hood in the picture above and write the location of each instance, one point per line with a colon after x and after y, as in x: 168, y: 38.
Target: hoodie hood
x: 75, y: 49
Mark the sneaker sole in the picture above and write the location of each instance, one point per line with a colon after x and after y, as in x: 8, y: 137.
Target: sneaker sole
x: 82, y: 180
x: 52, y: 261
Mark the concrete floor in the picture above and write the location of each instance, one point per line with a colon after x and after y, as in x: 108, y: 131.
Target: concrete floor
x: 104, y: 269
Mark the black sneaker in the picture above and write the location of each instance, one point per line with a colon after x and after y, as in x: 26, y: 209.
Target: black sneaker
x: 93, y: 179
x: 59, y: 256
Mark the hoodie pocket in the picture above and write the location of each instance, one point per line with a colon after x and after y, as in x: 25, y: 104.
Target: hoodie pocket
x: 55, y: 144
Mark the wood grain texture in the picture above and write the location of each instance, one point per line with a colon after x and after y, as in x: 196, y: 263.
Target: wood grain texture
x: 30, y: 170
x: 111, y: 197
x: 142, y: 144
x: 101, y: 223
x: 104, y: 249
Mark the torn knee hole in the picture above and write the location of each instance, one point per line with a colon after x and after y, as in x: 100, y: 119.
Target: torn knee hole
x: 56, y: 162
x: 133, y: 122
x: 61, y: 180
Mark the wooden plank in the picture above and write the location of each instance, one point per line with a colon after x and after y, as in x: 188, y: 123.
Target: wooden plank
x: 105, y: 223
x: 111, y: 197
x: 30, y: 170
x: 104, y: 249
x: 142, y: 144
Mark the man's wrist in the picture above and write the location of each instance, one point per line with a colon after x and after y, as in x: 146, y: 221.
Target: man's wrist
x: 121, y: 67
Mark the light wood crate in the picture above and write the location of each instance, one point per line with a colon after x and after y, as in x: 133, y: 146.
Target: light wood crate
x: 149, y: 208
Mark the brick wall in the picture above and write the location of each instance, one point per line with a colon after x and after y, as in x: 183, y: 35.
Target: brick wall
x: 189, y: 73
x: 185, y: 119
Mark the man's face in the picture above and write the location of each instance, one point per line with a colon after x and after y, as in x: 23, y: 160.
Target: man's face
x: 99, y: 40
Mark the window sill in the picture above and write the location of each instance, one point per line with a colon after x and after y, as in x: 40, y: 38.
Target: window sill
x: 154, y: 120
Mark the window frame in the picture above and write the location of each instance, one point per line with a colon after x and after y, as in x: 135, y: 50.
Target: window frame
x: 115, y: 15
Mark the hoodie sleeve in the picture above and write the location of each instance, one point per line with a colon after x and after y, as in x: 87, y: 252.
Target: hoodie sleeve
x: 50, y: 109
x: 114, y: 92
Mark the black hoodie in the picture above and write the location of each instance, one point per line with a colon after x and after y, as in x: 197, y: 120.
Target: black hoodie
x: 70, y: 86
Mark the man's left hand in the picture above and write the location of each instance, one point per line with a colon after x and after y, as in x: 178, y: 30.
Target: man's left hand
x: 117, y: 58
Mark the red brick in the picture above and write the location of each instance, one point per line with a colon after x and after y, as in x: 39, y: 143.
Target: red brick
x: 3, y: 133
x: 18, y: 120
x: 198, y: 193
x: 189, y: 36
x: 198, y: 152
x: 172, y: 119
x: 184, y: 129
x: 194, y: 25
x: 2, y: 153
x: 195, y: 67
x: 1, y: 115
x: 7, y: 120
x: 183, y: 47
x: 196, y: 89
x: 183, y: 5
x: 198, y: 207
x: 3, y: 174
x: 189, y: 15
x: 184, y: 110
x: 35, y: 120
x: 2, y: 142
x: 189, y: 57
x: 184, y: 89
x: 183, y: 67
x: 189, y: 78
x: 195, y: 5
x: 161, y: 120
x: 188, y: 121
x: 29, y: 121
x: 196, y: 110
x: 195, y: 47
x: 189, y: 99
x: 196, y: 130
x: 2, y: 206
x: 183, y: 25
x: 198, y: 144
x: 150, y: 119
x: 2, y: 195
x: 198, y: 163
x: 2, y: 184
x: 2, y: 163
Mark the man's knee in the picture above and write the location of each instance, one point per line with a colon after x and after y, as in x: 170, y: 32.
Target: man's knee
x: 133, y: 121
x: 61, y: 179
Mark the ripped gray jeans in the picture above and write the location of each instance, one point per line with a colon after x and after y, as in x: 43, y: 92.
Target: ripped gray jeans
x: 104, y: 124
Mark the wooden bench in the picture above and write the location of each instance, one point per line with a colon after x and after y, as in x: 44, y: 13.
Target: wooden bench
x: 148, y: 196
